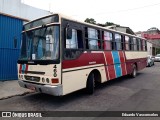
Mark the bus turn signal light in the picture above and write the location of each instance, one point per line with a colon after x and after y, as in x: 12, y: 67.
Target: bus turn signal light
x: 55, y: 80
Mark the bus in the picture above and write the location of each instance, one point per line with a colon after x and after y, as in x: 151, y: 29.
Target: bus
x: 60, y: 55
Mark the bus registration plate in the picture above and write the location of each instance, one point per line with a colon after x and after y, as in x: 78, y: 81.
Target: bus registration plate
x: 31, y: 87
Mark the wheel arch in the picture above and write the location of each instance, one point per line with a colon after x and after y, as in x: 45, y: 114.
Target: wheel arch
x: 97, y: 75
x: 136, y: 64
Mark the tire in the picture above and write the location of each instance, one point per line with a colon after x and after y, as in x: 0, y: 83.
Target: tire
x: 90, y: 84
x: 134, y: 71
x: 150, y: 64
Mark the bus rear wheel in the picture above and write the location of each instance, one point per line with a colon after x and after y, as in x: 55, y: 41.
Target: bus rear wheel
x: 134, y: 71
x: 90, y: 83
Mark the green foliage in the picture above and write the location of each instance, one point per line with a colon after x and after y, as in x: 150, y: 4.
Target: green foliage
x: 111, y: 23
x: 92, y: 21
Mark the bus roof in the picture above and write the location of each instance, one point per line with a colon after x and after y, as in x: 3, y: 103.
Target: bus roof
x: 92, y: 25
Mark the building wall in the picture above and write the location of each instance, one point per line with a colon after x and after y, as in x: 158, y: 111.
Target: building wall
x: 121, y: 29
x: 149, y: 48
x: 10, y: 29
x: 12, y: 16
x: 18, y: 9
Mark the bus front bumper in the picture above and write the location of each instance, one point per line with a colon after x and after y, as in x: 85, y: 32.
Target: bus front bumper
x: 48, y: 89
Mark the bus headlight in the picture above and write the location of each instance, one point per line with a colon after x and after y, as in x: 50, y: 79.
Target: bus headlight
x: 47, y: 80
x: 43, y: 80
x: 21, y: 76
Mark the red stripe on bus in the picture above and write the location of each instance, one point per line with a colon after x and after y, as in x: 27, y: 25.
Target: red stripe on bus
x: 110, y: 66
x: 124, y: 72
x: 85, y: 59
x: 109, y: 58
x: 123, y: 64
x: 20, y: 68
x: 121, y: 56
x: 112, y: 73
x: 26, y: 69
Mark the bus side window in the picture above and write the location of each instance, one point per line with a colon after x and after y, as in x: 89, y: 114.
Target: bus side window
x: 107, y: 40
x: 127, y: 43
x: 139, y: 44
x: 73, y: 42
x: 131, y: 44
x: 118, y: 41
x: 92, y: 39
x: 142, y: 41
x: 135, y: 44
x: 145, y: 45
x: 76, y: 41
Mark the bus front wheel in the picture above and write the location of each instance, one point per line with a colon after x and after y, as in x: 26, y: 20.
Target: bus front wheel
x: 90, y: 83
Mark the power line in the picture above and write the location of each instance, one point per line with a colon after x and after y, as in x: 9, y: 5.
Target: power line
x: 139, y: 7
x: 125, y: 10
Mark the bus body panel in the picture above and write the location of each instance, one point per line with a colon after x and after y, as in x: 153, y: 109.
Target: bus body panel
x: 43, y: 71
x: 73, y: 73
x: 55, y: 90
x: 31, y: 77
x: 138, y: 58
x: 110, y: 64
x: 76, y: 78
x: 135, y: 54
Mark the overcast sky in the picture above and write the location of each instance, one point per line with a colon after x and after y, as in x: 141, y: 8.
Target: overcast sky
x: 139, y: 15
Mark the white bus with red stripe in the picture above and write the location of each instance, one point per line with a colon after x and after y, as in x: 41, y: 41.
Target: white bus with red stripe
x: 60, y: 55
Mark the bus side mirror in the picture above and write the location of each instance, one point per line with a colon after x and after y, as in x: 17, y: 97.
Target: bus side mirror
x: 69, y: 33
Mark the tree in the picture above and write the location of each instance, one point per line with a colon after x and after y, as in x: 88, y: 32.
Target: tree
x: 90, y: 20
x: 111, y: 23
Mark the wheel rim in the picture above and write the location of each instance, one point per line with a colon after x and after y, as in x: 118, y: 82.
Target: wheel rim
x: 134, y: 72
x: 94, y: 84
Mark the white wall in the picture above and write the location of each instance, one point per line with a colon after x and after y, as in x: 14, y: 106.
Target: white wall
x: 149, y: 48
x: 121, y: 29
x: 18, y: 9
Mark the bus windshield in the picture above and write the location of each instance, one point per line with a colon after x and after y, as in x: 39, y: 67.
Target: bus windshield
x: 40, y: 44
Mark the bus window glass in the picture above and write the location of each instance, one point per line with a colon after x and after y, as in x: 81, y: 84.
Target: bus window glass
x: 40, y: 22
x: 127, y: 42
x: 139, y: 44
x: 41, y: 44
x: 143, y: 45
x: 107, y: 40
x: 93, y: 39
x: 131, y: 44
x: 135, y: 44
x: 118, y: 42
x: 73, y: 42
